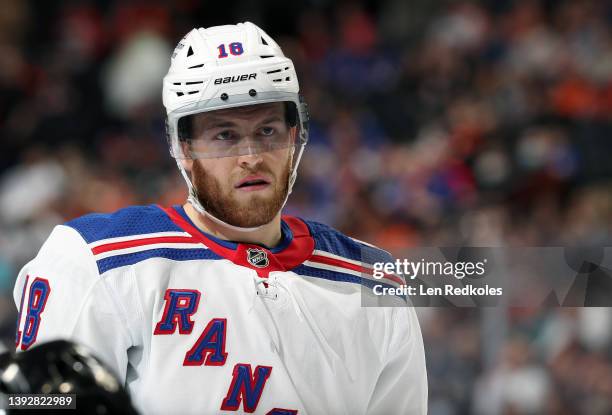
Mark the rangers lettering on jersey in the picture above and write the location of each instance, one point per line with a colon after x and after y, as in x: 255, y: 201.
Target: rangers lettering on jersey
x: 210, y: 344
x: 179, y: 306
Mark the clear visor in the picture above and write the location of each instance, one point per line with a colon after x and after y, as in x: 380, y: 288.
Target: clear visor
x: 232, y: 144
x: 236, y: 131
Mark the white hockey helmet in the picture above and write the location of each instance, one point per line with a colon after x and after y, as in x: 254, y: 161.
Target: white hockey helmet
x: 226, y: 67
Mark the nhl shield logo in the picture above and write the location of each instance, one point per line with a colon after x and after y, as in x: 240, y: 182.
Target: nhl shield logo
x: 257, y: 257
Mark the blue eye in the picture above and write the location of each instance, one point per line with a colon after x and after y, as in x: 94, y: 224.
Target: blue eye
x: 267, y: 131
x: 224, y: 136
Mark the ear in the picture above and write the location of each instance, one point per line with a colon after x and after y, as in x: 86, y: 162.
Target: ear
x: 293, y: 133
x: 187, y: 164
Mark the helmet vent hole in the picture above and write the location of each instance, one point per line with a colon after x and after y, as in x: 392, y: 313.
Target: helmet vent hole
x: 274, y: 71
x: 194, y: 82
x: 176, y: 83
x: 263, y: 41
x: 266, y: 56
x: 288, y: 79
x: 179, y: 94
x: 196, y: 66
x: 277, y: 80
x: 192, y: 92
x: 190, y: 51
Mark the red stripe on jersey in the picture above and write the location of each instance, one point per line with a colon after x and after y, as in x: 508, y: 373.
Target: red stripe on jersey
x: 196, y: 234
x: 344, y: 264
x: 298, y: 251
x: 113, y: 246
x: 301, y: 247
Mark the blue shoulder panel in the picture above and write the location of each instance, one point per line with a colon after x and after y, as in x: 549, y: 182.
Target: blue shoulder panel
x: 132, y: 220
x: 333, y: 241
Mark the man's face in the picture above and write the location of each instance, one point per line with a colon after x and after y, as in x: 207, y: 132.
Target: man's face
x: 245, y: 190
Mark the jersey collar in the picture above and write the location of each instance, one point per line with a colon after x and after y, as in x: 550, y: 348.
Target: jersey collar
x: 296, y: 246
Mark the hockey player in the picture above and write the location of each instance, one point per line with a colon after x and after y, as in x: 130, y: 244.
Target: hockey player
x: 223, y: 305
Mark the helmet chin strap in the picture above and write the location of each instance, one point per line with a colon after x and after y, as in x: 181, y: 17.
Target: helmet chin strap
x: 194, y: 201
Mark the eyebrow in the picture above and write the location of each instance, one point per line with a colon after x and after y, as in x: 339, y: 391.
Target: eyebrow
x: 221, y: 123
x: 272, y: 118
x: 218, y: 123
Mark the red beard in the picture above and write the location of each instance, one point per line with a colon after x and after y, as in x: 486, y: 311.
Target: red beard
x: 223, y: 206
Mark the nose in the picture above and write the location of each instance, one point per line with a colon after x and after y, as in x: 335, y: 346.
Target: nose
x: 251, y: 153
x: 250, y: 160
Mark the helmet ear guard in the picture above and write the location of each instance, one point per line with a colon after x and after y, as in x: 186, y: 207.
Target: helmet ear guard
x: 291, y: 114
x: 184, y: 128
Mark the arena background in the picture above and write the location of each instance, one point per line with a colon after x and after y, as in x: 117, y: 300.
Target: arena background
x: 434, y: 123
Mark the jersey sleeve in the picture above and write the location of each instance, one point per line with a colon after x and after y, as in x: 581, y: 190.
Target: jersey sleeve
x: 60, y: 295
x: 402, y: 385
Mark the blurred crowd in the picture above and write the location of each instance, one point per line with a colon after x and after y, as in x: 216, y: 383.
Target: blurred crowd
x: 434, y: 123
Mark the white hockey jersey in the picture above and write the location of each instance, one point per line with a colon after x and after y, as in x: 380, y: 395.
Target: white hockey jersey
x: 196, y: 325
